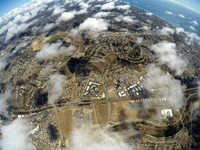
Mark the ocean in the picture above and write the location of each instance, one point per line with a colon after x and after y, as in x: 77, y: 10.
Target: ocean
x: 173, y: 13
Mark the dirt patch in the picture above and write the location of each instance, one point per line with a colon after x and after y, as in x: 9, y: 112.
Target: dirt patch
x: 121, y: 111
x: 112, y: 94
x: 64, y: 122
x: 100, y: 88
x: 102, y: 64
x: 39, y: 43
x: 101, y: 113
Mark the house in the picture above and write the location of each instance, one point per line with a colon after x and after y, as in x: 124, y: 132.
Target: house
x: 167, y: 113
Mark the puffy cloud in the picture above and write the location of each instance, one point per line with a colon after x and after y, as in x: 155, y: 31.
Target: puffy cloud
x: 58, y: 10
x: 3, y: 60
x: 195, y: 23
x: 53, y: 50
x: 16, y: 29
x: 181, y: 16
x: 101, y: 14
x: 90, y: 138
x: 148, y: 13
x: 123, y: 6
x: 178, y: 30
x: 49, y: 26
x: 90, y: 1
x: 139, y: 40
x: 191, y: 36
x: 108, y: 6
x: 55, y: 87
x: 166, y: 31
x: 127, y: 19
x: 23, y: 14
x: 166, y: 53
x: 66, y: 16
x: 173, y: 90
x: 14, y: 136
x: 3, y: 98
x: 168, y: 12
x: 84, y: 7
x: 92, y: 25
x: 145, y: 28
x: 191, y: 27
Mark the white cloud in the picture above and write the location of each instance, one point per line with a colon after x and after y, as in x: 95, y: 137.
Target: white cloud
x: 181, y: 16
x: 149, y: 21
x: 108, y: 6
x: 90, y: 1
x: 195, y: 23
x: 84, y: 7
x: 123, y: 7
x: 139, y: 40
x: 58, y: 10
x: 148, y: 13
x: 14, y: 136
x: 173, y: 90
x: 145, y: 28
x: 191, y: 27
x: 53, y: 50
x: 55, y: 87
x: 88, y: 138
x: 3, y: 60
x: 168, y: 12
x: 3, y: 98
x: 16, y: 29
x: 191, y: 36
x: 23, y: 14
x: 49, y: 26
x: 127, y: 19
x: 167, y: 54
x: 178, y: 30
x: 66, y: 16
x: 166, y: 31
x: 92, y: 25
x: 101, y: 14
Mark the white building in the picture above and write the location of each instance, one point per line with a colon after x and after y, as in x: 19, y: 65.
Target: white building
x: 167, y: 113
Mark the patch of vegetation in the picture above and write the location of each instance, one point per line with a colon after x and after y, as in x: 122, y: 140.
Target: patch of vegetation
x: 54, y: 39
x: 135, y: 53
x: 85, y: 18
x: 53, y: 132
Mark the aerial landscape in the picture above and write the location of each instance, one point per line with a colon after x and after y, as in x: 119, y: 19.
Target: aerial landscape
x: 97, y: 75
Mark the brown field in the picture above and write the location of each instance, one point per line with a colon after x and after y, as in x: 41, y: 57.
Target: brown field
x: 104, y: 63
x: 120, y: 111
x: 64, y: 122
x: 39, y: 43
x: 73, y: 88
x: 112, y: 94
x: 101, y: 113
x: 100, y: 88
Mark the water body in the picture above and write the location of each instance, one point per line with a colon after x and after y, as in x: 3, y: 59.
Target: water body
x: 173, y: 13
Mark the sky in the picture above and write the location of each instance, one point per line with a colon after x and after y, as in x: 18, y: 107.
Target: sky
x: 8, y: 5
x: 192, y: 4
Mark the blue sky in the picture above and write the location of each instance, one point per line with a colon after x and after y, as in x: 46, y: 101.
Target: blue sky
x: 193, y: 4
x: 8, y: 5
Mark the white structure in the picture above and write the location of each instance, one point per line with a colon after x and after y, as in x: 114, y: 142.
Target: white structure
x: 167, y: 113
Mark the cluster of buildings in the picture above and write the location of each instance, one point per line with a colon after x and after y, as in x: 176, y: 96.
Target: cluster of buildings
x: 91, y: 88
x: 125, y: 89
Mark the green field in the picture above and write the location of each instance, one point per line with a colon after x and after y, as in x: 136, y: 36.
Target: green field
x: 54, y: 39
